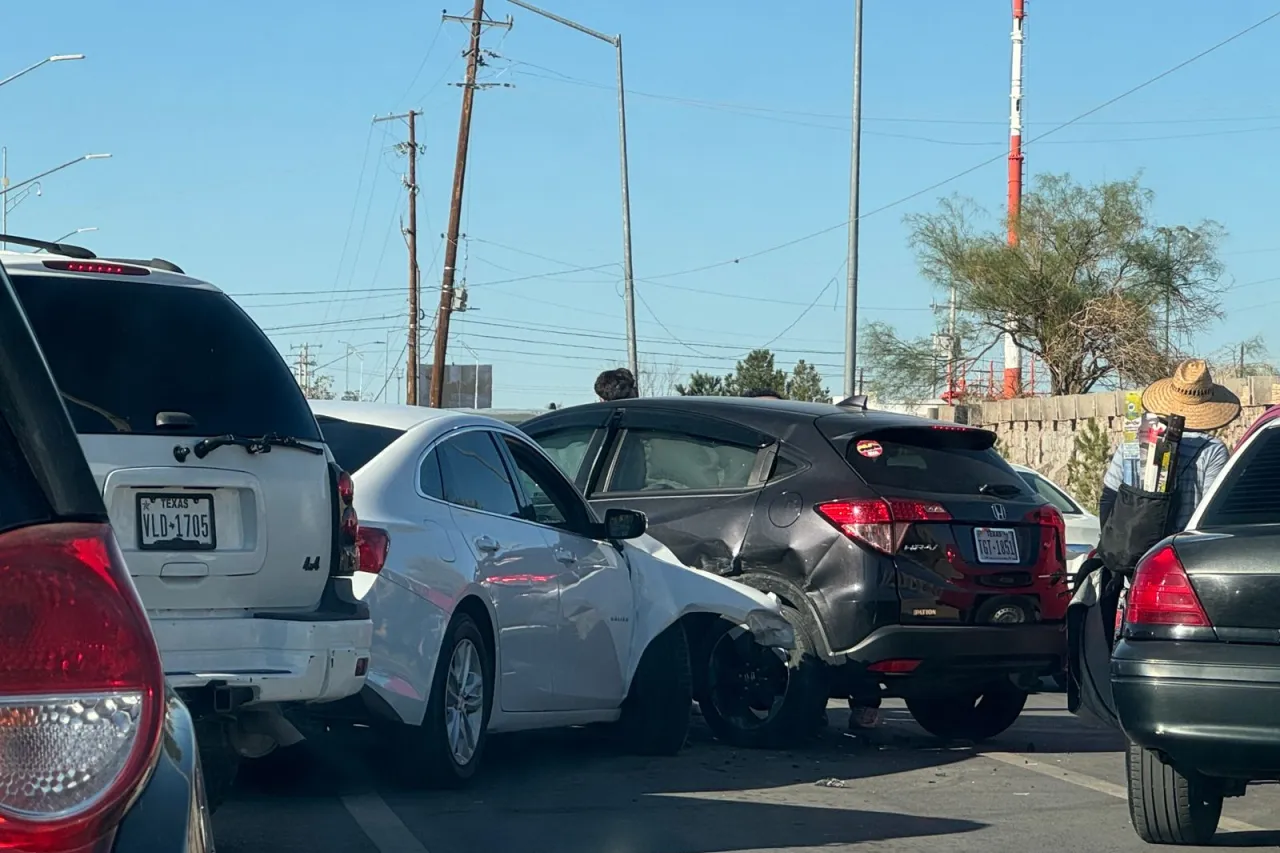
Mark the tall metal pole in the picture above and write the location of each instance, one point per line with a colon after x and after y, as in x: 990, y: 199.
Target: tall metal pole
x: 478, y: 23
x: 851, y: 294
x: 411, y: 391
x: 628, y: 277
x: 1013, y: 355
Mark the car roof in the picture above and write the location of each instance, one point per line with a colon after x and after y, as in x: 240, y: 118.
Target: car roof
x: 396, y: 416
x: 33, y: 264
x: 767, y: 415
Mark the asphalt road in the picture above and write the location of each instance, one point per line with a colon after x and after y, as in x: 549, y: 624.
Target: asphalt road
x: 1048, y: 783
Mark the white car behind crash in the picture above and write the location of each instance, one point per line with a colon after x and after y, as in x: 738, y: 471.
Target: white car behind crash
x: 501, y: 602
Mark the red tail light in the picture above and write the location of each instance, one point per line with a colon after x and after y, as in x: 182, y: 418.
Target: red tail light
x: 1161, y: 594
x: 896, y: 666
x: 373, y: 544
x: 346, y: 489
x: 81, y: 688
x: 350, y: 525
x: 1048, y: 516
x: 880, y: 523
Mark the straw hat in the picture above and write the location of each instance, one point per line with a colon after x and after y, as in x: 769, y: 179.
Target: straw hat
x: 1192, y: 393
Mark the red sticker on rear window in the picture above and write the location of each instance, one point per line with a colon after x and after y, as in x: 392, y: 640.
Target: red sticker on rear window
x: 870, y: 449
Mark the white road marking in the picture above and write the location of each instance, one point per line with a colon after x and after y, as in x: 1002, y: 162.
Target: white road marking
x: 387, y: 832
x: 1023, y: 762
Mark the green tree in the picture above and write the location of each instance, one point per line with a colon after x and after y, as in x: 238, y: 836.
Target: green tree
x: 805, y: 383
x: 1090, y: 455
x: 1093, y: 288
x: 351, y: 395
x: 757, y: 372
x: 703, y: 385
x: 319, y: 388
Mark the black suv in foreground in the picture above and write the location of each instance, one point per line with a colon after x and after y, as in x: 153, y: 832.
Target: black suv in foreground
x: 83, y: 700
x: 912, y: 560
x: 1196, y: 673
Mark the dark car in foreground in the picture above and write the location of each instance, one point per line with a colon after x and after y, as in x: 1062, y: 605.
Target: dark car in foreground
x: 911, y: 559
x: 1196, y: 672
x: 96, y: 754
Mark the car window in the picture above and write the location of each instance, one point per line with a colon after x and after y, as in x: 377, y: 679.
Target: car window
x: 567, y: 448
x: 652, y: 460
x: 121, y: 352
x: 782, y: 467
x: 1250, y: 492
x: 475, y: 475
x: 1050, y: 493
x: 928, y: 460
x: 553, y: 500
x: 430, y: 479
x: 21, y: 499
x: 354, y: 444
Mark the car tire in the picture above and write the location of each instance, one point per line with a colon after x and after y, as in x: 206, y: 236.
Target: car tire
x: 219, y: 761
x: 796, y: 717
x: 658, y: 710
x: 432, y: 756
x: 972, y: 715
x: 1168, y: 806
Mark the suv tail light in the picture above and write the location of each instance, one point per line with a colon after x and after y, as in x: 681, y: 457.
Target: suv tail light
x: 880, y: 523
x: 1161, y: 594
x: 373, y: 544
x: 346, y: 558
x: 1048, y: 516
x: 81, y: 688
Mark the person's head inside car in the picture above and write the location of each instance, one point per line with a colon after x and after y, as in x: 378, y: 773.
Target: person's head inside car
x: 618, y: 384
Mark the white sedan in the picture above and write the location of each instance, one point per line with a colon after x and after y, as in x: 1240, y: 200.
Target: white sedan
x: 1083, y: 527
x: 501, y: 602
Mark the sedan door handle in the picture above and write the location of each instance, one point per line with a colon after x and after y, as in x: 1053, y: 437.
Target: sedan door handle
x: 487, y: 544
x: 565, y: 556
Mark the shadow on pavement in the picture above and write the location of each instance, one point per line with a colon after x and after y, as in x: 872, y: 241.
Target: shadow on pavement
x: 1266, y: 838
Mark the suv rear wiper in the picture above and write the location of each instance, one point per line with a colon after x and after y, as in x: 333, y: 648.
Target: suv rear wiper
x: 262, y: 444
x: 999, y: 490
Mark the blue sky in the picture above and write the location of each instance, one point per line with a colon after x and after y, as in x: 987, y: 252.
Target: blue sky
x: 243, y: 150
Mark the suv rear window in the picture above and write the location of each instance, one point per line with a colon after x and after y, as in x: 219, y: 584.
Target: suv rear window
x: 123, y: 351
x: 941, y: 461
x: 1250, y: 491
x: 354, y: 444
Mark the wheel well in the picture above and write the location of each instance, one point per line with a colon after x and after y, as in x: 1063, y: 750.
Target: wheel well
x: 474, y: 607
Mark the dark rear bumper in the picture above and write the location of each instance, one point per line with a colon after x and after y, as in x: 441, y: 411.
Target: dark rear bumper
x: 964, y: 650
x: 1208, y: 706
x: 170, y: 815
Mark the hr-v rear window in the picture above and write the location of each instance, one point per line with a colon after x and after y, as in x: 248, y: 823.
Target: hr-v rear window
x: 1250, y: 492
x: 925, y: 459
x: 124, y: 351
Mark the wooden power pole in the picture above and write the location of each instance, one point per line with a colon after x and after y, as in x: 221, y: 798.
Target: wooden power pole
x: 478, y: 22
x: 411, y: 149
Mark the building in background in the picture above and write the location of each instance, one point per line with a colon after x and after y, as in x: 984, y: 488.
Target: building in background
x: 466, y: 386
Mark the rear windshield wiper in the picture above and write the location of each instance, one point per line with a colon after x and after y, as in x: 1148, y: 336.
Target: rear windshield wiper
x: 999, y: 490
x: 261, y: 444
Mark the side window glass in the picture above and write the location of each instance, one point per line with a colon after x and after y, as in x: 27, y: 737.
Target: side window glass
x: 567, y: 448
x: 475, y: 475
x: 429, y: 479
x: 652, y: 460
x: 554, y: 501
x: 782, y: 467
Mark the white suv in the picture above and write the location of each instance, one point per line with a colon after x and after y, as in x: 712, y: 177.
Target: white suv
x: 235, y: 522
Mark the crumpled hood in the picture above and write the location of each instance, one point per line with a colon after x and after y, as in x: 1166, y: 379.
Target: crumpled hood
x: 666, y: 590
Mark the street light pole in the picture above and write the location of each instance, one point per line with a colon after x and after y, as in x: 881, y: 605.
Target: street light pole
x: 61, y: 57
x: 851, y: 261
x: 72, y: 234
x: 6, y: 190
x: 629, y: 286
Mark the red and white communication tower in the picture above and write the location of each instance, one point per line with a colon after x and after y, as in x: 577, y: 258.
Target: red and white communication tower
x: 1012, y: 355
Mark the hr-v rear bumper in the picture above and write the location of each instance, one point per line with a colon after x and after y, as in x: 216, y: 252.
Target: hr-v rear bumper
x: 965, y: 651
x: 274, y: 658
x: 1210, y: 707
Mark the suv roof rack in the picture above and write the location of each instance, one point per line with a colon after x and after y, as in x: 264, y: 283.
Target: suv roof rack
x: 857, y: 401
x: 64, y: 249
x: 154, y: 263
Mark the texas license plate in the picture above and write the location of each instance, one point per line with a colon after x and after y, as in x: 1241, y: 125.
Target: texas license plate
x: 996, y: 545
x: 176, y: 522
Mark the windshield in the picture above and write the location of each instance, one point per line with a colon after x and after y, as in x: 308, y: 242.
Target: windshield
x: 124, y: 351
x: 354, y: 444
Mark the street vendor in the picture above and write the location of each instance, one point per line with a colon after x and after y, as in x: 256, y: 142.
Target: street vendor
x: 1206, y: 407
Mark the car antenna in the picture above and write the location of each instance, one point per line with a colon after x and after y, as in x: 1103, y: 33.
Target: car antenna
x: 857, y: 401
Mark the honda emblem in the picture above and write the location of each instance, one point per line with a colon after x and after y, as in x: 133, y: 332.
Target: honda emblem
x: 998, y: 511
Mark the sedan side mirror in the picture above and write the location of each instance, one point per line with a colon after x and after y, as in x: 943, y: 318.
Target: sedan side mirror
x: 624, y: 524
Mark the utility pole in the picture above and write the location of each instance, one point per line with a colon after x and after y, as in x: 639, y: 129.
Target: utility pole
x: 411, y: 149
x: 477, y: 22
x: 1013, y: 355
x: 851, y: 261
x: 305, y: 364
